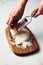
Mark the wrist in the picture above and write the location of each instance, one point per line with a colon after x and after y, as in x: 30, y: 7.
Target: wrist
x: 23, y: 2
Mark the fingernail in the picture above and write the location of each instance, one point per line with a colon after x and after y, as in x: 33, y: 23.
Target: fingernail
x: 32, y: 14
x: 12, y: 26
x: 7, y: 23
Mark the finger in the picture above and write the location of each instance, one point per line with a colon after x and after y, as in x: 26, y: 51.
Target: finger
x: 7, y: 21
x: 12, y: 23
x: 34, y: 12
x: 9, y: 18
x: 37, y: 14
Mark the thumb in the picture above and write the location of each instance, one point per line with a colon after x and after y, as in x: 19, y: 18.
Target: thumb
x: 38, y: 13
x: 34, y: 12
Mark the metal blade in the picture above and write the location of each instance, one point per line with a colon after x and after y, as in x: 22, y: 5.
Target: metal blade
x: 25, y: 22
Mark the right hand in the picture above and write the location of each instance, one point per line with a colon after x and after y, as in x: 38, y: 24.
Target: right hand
x: 38, y: 11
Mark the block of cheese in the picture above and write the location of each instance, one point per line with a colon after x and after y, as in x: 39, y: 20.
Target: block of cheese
x: 21, y: 37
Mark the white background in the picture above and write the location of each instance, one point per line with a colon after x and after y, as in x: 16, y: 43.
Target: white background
x: 36, y: 26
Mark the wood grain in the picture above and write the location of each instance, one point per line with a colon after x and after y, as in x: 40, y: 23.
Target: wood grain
x: 21, y: 51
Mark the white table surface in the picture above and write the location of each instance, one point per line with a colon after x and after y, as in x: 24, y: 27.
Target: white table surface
x: 36, y: 26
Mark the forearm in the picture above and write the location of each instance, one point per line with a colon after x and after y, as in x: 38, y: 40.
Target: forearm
x: 23, y: 2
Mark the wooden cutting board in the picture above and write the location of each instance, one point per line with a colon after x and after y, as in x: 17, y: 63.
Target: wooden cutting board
x: 22, y: 51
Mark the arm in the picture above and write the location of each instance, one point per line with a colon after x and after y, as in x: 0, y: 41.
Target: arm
x: 17, y: 13
x: 38, y: 10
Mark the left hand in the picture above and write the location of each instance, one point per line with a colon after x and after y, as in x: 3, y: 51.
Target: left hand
x: 16, y: 14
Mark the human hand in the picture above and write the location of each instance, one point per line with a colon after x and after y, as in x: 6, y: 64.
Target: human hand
x: 16, y: 14
x: 38, y: 10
